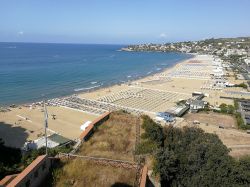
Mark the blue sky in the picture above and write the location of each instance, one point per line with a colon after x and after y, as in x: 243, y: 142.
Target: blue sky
x: 122, y: 21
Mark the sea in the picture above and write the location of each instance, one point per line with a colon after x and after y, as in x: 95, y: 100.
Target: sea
x: 31, y: 72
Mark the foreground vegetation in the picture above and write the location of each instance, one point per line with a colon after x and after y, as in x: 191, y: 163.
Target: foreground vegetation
x: 181, y: 157
x: 12, y: 160
x: 114, y: 139
x: 79, y: 172
x: 191, y: 157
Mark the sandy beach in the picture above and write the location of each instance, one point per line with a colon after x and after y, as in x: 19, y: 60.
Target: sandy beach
x: 152, y: 94
x: 25, y: 123
x: 168, y: 80
x: 22, y: 124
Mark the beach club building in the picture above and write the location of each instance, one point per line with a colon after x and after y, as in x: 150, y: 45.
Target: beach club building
x: 164, y: 116
x: 178, y: 111
x: 196, y: 105
x: 53, y: 140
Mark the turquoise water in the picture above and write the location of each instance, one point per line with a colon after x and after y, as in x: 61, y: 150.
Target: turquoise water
x: 31, y: 72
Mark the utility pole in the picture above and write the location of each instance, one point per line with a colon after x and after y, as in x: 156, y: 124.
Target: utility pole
x: 45, y: 127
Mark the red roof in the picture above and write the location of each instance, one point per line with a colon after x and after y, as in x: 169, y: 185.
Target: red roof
x: 7, y: 179
x: 27, y: 170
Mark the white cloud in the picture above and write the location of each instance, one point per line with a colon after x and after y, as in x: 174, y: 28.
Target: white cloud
x: 20, y: 33
x: 163, y: 35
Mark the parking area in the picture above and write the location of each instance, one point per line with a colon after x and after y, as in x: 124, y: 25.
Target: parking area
x: 216, y: 119
x: 237, y: 140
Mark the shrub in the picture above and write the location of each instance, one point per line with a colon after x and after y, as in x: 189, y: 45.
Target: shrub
x: 10, y: 159
x: 227, y: 109
x: 236, y: 104
x: 191, y: 157
x: 153, y: 131
x: 242, y: 85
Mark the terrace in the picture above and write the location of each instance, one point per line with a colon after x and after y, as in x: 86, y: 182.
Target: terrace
x: 107, y: 158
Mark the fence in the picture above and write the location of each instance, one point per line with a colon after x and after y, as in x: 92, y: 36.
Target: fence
x: 141, y: 174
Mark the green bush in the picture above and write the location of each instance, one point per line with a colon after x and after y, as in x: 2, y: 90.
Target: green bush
x: 191, y: 157
x: 32, y: 155
x: 10, y: 159
x: 240, y: 122
x: 146, y: 147
x: 152, y: 138
x: 153, y: 131
x: 236, y: 104
x: 242, y: 85
x: 227, y: 109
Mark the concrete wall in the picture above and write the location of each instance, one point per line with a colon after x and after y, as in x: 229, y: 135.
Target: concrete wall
x: 34, y: 174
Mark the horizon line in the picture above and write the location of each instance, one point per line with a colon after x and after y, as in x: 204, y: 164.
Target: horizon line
x: 63, y: 43
x: 81, y: 43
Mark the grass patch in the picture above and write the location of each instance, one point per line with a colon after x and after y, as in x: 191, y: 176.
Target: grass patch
x: 113, y: 139
x: 79, y: 172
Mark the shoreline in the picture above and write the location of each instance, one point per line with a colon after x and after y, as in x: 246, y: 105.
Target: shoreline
x: 135, y: 79
x: 107, y: 86
x: 150, y: 94
x: 26, y: 120
x: 105, y: 90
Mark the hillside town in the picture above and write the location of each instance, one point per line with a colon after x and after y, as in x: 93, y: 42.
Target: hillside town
x: 235, y: 51
x: 224, y: 48
x: 221, y: 47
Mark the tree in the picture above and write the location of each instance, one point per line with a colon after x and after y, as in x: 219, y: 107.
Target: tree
x: 191, y: 157
x: 9, y: 159
x: 223, y: 108
x: 167, y: 166
x: 12, y: 161
x: 227, y: 108
x: 153, y: 131
x: 230, y: 109
x: 242, y: 85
